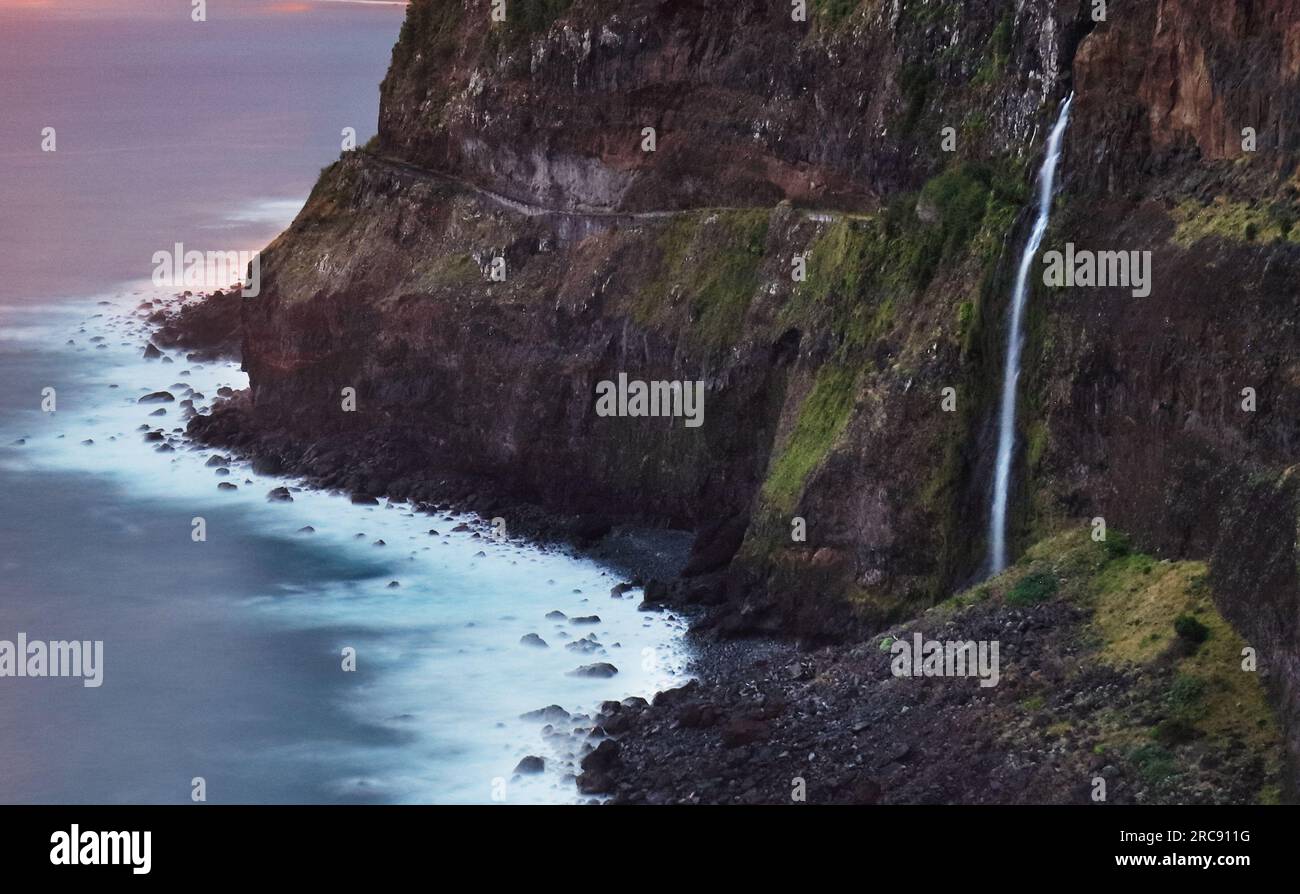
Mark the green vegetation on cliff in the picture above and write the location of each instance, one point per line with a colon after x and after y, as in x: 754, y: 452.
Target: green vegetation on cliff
x: 832, y: 12
x: 822, y: 418
x: 709, y: 267
x: 1237, y: 221
x: 860, y: 272
x: 998, y: 52
x: 1157, y: 620
x: 429, y: 30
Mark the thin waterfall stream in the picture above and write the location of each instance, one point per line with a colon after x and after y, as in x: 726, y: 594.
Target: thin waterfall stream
x: 1015, y: 343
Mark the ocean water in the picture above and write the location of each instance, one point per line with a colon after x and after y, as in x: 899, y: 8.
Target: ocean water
x: 168, y: 130
x: 223, y: 658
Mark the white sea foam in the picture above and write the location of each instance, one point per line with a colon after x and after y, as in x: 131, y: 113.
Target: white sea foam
x: 452, y: 676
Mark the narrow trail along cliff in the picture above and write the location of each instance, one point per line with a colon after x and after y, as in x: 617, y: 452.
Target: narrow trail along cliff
x: 580, y: 213
x: 840, y: 487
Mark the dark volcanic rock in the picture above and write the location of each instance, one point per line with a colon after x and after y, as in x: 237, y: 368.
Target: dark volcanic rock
x: 208, y: 329
x: 549, y: 714
x: 530, y: 765
x: 715, y: 545
x: 587, y: 645
x: 599, y: 767
x: 599, y: 669
x: 157, y: 397
x: 743, y: 732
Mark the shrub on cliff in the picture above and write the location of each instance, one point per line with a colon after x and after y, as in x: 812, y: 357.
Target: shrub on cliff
x: 1190, y: 629
x: 1117, y: 545
x: 1032, y: 589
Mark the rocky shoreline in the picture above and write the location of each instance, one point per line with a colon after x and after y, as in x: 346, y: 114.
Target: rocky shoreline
x: 767, y: 724
x: 771, y: 720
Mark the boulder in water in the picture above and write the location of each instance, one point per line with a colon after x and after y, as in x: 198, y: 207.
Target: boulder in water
x: 549, y: 714
x: 530, y: 765
x: 599, y: 670
x: 157, y: 397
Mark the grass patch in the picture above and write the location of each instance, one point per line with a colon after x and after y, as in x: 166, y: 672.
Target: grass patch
x: 822, y: 418
x: 929, y: 12
x: 1032, y: 589
x: 1117, y: 544
x: 1236, y: 221
x: 861, y: 272
x: 1143, y: 613
x: 833, y: 12
x: 1034, y: 703
x: 1186, y: 699
x: 448, y: 270
x: 997, y: 53
x: 712, y: 259
x: 1146, y: 611
x: 841, y: 259
x: 1038, y: 438
x: 963, y: 200
x: 526, y: 18
x: 1154, y: 763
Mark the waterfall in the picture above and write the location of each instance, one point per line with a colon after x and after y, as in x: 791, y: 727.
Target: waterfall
x: 1015, y: 341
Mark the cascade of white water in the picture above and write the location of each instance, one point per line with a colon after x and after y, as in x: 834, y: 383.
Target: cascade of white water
x: 1015, y: 340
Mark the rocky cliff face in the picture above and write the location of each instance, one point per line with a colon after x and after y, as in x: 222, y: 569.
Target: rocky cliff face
x: 822, y: 140
x: 749, y: 106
